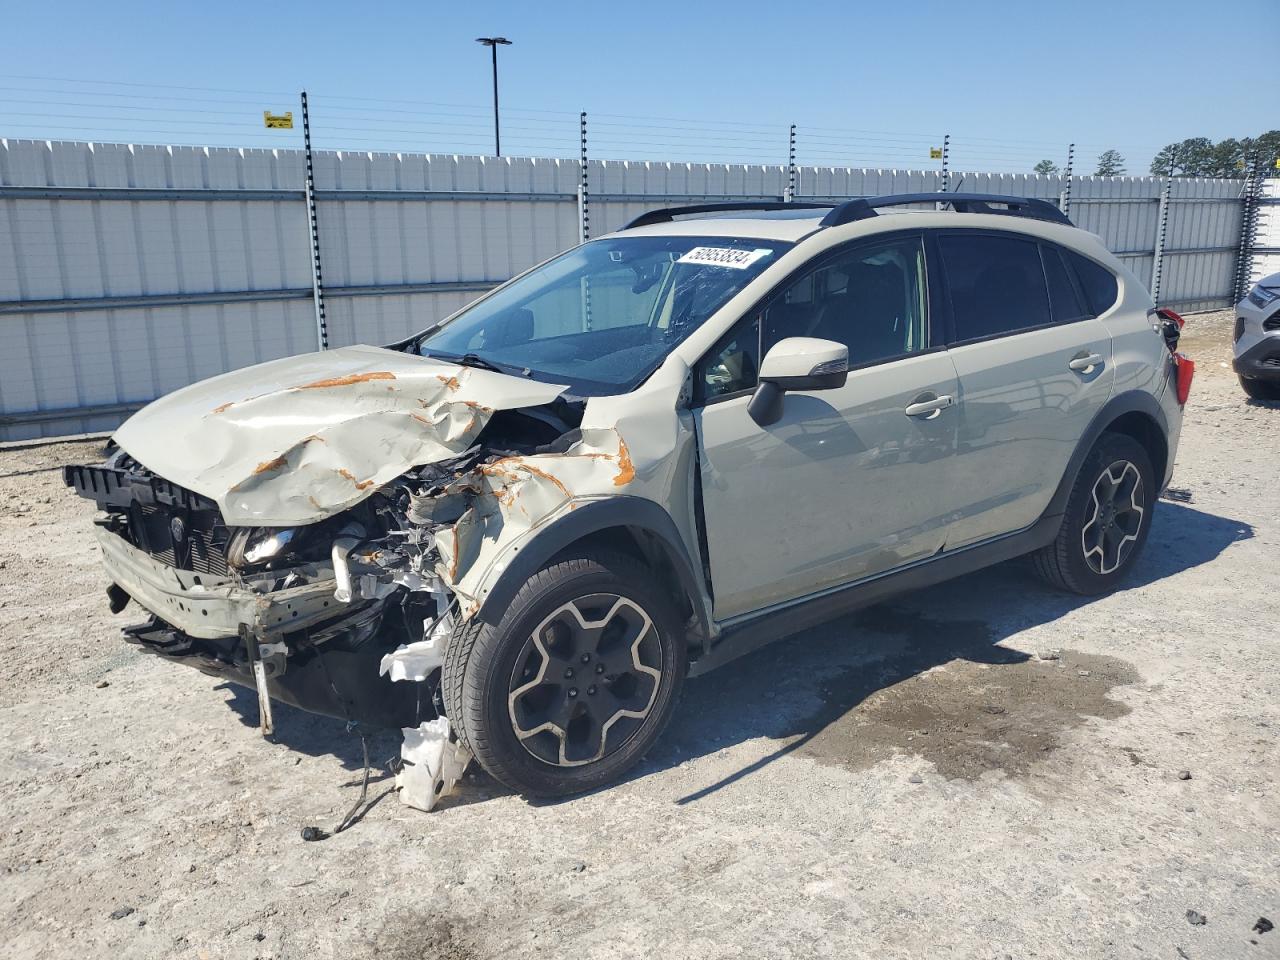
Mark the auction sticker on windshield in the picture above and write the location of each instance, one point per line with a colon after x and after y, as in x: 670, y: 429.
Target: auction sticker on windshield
x: 730, y: 257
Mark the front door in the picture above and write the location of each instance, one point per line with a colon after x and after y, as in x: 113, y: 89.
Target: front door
x: 846, y: 484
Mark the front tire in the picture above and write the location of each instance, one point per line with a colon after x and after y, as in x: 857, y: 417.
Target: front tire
x: 1260, y: 389
x: 575, y: 681
x: 1107, y: 519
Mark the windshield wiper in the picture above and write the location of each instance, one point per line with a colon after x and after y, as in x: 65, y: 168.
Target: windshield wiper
x: 475, y: 360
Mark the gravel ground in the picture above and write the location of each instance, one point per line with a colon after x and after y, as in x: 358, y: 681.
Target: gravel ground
x: 987, y: 769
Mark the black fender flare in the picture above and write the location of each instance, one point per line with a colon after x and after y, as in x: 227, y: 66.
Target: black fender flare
x: 1131, y: 401
x: 591, y: 517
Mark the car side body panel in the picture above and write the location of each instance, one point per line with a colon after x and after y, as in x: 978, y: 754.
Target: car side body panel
x: 1022, y: 409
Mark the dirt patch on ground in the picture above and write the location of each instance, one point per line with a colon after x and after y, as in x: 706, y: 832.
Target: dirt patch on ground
x: 408, y: 936
x: 1005, y: 711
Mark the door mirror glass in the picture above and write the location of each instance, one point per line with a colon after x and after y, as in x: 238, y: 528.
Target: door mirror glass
x: 797, y: 363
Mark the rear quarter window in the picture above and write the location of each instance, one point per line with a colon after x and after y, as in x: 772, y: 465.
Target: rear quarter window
x: 1099, y: 284
x: 1065, y: 299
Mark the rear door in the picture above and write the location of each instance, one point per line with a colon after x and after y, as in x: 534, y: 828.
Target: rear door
x: 1034, y: 366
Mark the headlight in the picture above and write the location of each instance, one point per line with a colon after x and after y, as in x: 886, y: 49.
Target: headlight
x: 265, y: 544
x: 1260, y: 296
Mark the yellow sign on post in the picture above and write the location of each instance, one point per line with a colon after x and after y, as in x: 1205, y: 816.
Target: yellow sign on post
x: 1278, y: 163
x: 935, y: 153
x: 277, y: 121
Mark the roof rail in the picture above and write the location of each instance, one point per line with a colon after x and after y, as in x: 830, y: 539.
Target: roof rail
x: 667, y: 214
x: 1030, y: 207
x: 863, y: 208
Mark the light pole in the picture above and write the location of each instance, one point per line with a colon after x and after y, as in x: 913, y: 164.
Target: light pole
x: 492, y: 43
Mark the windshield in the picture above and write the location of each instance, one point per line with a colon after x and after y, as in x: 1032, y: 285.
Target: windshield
x: 603, y: 316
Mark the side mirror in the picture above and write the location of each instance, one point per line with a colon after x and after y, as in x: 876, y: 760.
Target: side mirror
x: 797, y: 363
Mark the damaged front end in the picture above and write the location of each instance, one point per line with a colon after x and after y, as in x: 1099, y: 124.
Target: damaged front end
x: 347, y: 610
x: 319, y: 540
x: 315, y: 609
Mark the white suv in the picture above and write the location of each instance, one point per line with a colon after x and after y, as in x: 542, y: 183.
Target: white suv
x: 514, y: 534
x: 1257, y: 340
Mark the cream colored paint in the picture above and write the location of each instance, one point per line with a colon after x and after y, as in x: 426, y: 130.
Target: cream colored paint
x: 296, y: 440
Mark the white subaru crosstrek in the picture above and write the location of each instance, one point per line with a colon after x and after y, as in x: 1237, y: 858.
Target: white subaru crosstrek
x: 514, y: 534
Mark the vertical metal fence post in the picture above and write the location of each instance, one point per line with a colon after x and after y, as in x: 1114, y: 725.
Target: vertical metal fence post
x: 1157, y: 255
x: 1066, y: 194
x: 1249, y: 212
x: 946, y: 159
x: 317, y: 281
x: 791, y: 166
x: 584, y: 211
x: 584, y: 217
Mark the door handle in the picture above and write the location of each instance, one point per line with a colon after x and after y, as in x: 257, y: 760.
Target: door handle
x: 928, y: 409
x: 1085, y: 362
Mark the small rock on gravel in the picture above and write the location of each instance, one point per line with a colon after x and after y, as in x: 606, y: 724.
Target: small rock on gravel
x: 1049, y: 655
x: 1184, y: 774
x: 915, y: 778
x: 1196, y: 919
x: 119, y: 913
x: 1263, y: 926
x: 102, y: 683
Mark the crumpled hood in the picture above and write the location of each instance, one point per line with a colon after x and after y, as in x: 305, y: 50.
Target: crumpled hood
x: 296, y: 440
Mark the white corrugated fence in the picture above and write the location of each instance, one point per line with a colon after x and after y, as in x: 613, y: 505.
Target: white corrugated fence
x: 127, y: 271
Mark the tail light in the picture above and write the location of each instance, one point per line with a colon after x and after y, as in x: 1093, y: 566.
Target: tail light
x: 1170, y: 326
x: 1186, y: 369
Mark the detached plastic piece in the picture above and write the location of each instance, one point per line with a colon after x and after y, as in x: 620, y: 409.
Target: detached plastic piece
x: 434, y: 762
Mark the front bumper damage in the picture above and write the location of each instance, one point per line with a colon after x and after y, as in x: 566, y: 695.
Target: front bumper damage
x: 209, y: 607
x: 332, y: 636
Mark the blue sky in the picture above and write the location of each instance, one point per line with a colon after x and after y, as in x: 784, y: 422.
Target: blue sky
x: 869, y: 84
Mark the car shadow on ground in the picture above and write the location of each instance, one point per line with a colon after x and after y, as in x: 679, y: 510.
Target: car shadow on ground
x: 795, y: 690
x: 800, y: 687
x: 317, y: 735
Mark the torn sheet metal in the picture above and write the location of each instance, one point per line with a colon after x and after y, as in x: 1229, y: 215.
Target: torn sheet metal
x: 634, y: 446
x: 434, y: 761
x: 296, y: 440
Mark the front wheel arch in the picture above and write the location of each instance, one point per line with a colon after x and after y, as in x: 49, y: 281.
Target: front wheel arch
x: 630, y: 525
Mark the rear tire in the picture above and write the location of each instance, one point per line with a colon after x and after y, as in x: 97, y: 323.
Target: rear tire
x: 575, y: 681
x: 1107, y: 519
x: 1260, y: 389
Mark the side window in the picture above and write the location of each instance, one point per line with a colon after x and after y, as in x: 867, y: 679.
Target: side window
x: 870, y: 298
x: 997, y: 284
x: 1099, y: 283
x: 732, y: 364
x: 1064, y: 298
